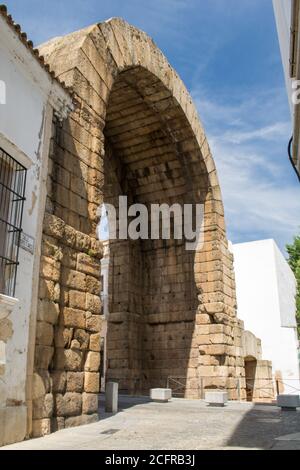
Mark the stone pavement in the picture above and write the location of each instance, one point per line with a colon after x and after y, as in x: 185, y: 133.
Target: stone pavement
x: 180, y: 424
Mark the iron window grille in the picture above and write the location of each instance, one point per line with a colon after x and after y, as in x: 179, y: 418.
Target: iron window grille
x: 12, y: 197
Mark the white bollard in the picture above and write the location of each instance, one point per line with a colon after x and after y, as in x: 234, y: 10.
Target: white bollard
x: 161, y: 395
x: 288, y: 402
x: 111, y: 397
x: 216, y: 397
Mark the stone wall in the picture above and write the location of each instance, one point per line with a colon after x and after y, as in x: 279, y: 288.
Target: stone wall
x: 67, y: 354
x: 257, y: 376
x: 12, y: 410
x: 262, y: 385
x: 134, y: 131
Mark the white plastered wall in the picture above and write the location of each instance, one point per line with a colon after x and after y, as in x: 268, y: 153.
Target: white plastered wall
x: 26, y: 114
x: 266, y: 290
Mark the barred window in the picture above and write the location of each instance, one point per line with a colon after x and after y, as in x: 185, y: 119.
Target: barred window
x: 12, y: 197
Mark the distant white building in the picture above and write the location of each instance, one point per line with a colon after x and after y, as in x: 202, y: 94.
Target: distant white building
x: 266, y: 289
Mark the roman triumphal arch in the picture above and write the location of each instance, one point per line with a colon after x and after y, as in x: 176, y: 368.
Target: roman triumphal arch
x: 134, y: 131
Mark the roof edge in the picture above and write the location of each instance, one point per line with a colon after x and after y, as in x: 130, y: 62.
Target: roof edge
x: 16, y: 28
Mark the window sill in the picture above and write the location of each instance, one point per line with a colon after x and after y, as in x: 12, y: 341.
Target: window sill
x: 7, y: 305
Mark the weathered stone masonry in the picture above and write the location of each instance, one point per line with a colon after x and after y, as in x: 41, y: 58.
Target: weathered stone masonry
x: 134, y: 131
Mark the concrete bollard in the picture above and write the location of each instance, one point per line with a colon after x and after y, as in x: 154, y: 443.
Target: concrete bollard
x: 111, y: 397
x: 216, y: 397
x: 288, y: 402
x: 161, y: 395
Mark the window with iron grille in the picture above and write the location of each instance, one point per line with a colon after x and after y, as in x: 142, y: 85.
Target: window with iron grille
x: 12, y: 197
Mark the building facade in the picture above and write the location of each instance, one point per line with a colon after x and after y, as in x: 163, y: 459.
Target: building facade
x: 287, y: 16
x: 30, y: 99
x: 266, y: 290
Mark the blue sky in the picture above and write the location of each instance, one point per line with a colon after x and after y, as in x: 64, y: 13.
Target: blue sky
x: 227, y: 53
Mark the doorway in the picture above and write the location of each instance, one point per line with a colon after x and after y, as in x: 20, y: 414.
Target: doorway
x: 250, y: 372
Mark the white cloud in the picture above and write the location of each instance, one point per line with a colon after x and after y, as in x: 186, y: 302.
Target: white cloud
x: 248, y: 142
x: 272, y: 132
x: 256, y: 203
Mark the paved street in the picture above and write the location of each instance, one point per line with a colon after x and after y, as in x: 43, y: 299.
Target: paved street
x: 180, y: 424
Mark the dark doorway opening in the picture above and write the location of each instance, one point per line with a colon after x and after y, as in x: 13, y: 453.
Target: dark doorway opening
x: 250, y: 372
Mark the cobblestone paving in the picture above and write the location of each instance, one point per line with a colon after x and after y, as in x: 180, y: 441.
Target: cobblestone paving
x: 180, y: 424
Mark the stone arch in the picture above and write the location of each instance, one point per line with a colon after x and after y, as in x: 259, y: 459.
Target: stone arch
x: 112, y: 68
x: 145, y: 133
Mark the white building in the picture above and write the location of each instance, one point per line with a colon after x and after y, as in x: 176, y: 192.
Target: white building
x: 266, y: 289
x: 287, y: 16
x: 29, y: 98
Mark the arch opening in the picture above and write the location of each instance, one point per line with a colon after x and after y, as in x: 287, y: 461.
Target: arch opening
x: 153, y: 294
x: 250, y: 376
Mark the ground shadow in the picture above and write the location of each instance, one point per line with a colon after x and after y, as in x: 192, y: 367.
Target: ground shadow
x: 262, y: 425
